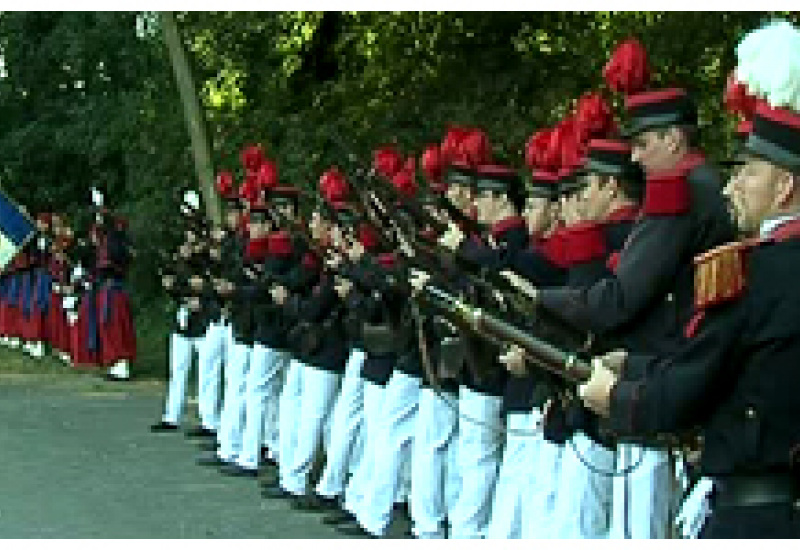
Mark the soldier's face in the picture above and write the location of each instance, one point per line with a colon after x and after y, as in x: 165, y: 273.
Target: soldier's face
x: 655, y: 149
x: 461, y: 197
x: 257, y: 228
x: 493, y: 207
x: 537, y: 214
x: 232, y: 219
x: 758, y: 190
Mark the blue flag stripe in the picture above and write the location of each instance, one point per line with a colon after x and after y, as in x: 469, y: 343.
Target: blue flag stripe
x: 14, y: 225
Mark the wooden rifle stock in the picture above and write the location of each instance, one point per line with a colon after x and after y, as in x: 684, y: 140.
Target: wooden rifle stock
x: 562, y: 363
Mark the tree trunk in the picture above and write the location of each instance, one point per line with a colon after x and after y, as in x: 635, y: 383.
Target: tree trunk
x: 194, y: 116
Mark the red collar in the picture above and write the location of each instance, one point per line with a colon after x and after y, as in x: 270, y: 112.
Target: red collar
x: 257, y: 249
x: 552, y: 247
x: 626, y: 213
x: 387, y: 260
x: 514, y: 222
x: 279, y: 243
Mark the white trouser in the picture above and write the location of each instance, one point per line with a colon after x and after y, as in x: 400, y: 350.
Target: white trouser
x: 583, y: 511
x: 271, y: 429
x: 479, y: 452
x: 211, y: 354
x: 346, y: 439
x: 392, y: 451
x: 316, y: 403
x: 518, y: 464
x: 289, y: 414
x: 359, y: 481
x: 234, y: 404
x: 538, y: 503
x: 180, y: 362
x: 642, y: 513
x: 434, y: 472
x: 262, y: 388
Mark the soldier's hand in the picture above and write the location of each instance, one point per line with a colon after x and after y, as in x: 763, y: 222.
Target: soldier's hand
x: 168, y: 281
x: 596, y: 392
x: 196, y: 282
x: 452, y: 238
x: 521, y: 284
x: 615, y: 360
x: 333, y: 260
x: 279, y: 294
x: 418, y: 279
x: 343, y: 287
x: 218, y: 233
x: 514, y: 360
x: 194, y: 303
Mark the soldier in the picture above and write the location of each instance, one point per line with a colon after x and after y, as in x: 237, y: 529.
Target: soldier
x: 237, y: 346
x: 115, y: 329
x: 434, y: 473
x: 57, y: 328
x: 400, y: 401
x: 321, y: 351
x: 345, y: 449
x: 734, y: 378
x: 185, y: 285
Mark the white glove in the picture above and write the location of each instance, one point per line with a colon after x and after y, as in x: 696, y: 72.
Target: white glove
x: 183, y: 317
x: 69, y: 302
x: 695, y: 509
x: 71, y: 317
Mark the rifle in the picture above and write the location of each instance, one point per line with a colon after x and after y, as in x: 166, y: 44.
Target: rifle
x: 565, y: 364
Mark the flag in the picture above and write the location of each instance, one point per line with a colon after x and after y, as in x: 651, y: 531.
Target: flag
x: 16, y: 229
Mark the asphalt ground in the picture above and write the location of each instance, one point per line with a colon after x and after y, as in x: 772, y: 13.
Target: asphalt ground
x: 77, y: 460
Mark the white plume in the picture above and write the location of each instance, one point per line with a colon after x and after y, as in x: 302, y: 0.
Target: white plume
x: 192, y: 198
x: 97, y: 197
x: 769, y: 64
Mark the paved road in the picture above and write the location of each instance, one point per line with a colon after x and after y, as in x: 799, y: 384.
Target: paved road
x: 77, y: 461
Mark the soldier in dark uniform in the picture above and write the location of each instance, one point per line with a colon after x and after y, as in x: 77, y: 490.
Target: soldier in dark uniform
x: 735, y: 376
x: 320, y: 349
x: 184, y: 284
x: 230, y: 287
x: 346, y: 446
x: 499, y: 201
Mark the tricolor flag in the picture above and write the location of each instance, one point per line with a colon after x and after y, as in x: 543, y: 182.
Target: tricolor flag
x: 16, y: 229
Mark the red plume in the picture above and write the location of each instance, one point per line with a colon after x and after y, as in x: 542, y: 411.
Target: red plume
x: 367, y: 236
x: 738, y: 99
x: 404, y: 184
x: 249, y: 189
x: 594, y: 117
x: 451, y: 145
x: 224, y: 183
x: 253, y: 157
x: 267, y: 175
x: 536, y: 151
x: 476, y: 149
x: 333, y: 186
x: 433, y: 163
x: 628, y: 71
x: 565, y: 145
x: 387, y: 161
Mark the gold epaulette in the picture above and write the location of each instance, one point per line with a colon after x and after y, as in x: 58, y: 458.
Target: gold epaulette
x: 720, y: 274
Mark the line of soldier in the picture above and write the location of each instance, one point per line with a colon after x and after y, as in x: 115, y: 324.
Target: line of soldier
x: 63, y: 294
x: 339, y: 332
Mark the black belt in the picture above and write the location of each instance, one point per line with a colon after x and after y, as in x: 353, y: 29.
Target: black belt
x: 755, y: 490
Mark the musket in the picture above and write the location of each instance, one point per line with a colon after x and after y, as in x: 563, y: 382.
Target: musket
x: 565, y: 364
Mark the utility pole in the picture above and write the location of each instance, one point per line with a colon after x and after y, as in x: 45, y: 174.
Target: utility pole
x: 194, y: 116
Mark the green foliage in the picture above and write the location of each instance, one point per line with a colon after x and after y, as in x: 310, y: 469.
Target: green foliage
x: 88, y: 98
